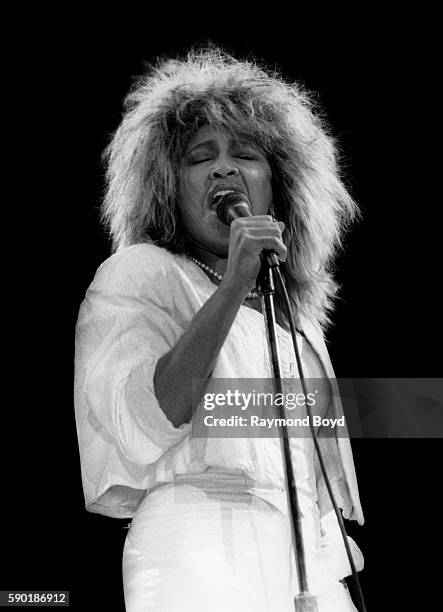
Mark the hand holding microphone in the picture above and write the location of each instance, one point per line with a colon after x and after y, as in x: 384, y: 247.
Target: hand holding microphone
x: 251, y: 237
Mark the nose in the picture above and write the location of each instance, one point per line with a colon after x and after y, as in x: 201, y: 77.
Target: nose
x: 223, y: 170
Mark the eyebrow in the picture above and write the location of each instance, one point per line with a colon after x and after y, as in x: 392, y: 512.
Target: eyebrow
x: 202, y: 145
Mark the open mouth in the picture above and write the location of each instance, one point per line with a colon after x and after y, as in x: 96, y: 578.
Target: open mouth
x: 218, y: 195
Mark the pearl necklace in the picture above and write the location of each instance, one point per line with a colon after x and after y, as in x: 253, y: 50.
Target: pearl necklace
x: 252, y: 295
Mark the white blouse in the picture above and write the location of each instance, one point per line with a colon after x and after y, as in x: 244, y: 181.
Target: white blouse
x: 141, y: 301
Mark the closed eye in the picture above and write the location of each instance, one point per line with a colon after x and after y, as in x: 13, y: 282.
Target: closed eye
x: 245, y: 153
x: 200, y: 160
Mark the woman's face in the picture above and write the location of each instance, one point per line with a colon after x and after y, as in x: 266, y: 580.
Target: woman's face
x: 214, y: 162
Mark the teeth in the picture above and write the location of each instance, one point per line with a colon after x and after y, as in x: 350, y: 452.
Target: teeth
x: 222, y: 193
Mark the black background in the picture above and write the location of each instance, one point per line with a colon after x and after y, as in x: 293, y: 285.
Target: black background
x: 375, y: 78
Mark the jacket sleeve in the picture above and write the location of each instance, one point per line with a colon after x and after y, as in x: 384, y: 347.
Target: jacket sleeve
x: 126, y: 323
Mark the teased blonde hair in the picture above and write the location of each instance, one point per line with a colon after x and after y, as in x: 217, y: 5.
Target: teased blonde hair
x: 170, y: 103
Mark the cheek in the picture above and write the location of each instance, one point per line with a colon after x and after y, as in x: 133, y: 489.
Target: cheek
x: 267, y: 185
x: 191, y: 181
x: 267, y: 182
x: 262, y: 181
x: 184, y: 187
x: 187, y: 193
x: 189, y: 207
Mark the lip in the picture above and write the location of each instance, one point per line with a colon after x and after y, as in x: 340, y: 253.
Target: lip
x: 222, y: 187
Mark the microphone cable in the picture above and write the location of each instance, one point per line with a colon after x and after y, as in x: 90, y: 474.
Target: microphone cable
x: 229, y: 207
x: 289, y: 313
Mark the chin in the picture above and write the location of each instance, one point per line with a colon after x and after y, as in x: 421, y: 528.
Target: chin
x: 211, y: 235
x: 220, y: 239
x: 216, y: 233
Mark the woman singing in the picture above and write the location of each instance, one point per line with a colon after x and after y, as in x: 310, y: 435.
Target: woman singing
x: 177, y: 303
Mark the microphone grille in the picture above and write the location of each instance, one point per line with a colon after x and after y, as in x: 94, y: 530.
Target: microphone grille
x: 226, y: 202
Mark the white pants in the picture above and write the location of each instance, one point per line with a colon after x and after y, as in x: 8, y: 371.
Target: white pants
x: 189, y: 550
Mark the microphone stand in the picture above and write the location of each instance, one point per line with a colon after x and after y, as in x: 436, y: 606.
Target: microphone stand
x: 304, y: 601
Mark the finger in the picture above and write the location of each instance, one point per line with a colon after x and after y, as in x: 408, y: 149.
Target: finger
x: 261, y: 230
x: 254, y: 220
x: 270, y: 243
x: 258, y: 221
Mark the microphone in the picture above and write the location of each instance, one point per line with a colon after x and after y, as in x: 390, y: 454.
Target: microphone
x: 233, y: 205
